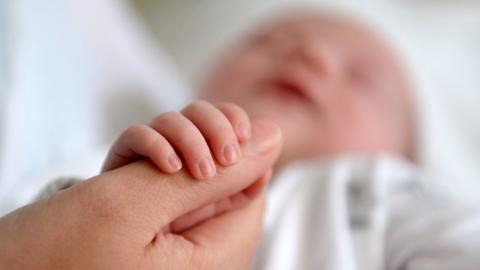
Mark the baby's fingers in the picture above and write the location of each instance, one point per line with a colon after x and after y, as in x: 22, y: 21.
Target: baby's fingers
x: 138, y: 141
x: 238, y: 119
x: 216, y: 129
x: 187, y: 139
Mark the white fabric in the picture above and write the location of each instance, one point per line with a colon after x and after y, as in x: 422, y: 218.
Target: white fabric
x: 78, y: 72
x: 366, y: 214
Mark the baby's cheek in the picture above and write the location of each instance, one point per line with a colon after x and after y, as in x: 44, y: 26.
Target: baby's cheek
x: 351, y: 130
x: 374, y: 132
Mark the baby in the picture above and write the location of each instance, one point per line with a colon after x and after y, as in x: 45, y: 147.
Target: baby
x: 330, y: 84
x: 334, y: 88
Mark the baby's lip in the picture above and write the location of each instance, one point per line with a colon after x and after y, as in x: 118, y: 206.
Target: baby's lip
x: 287, y: 88
x: 296, y: 82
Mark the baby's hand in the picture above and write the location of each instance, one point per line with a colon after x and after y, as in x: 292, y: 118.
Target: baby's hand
x: 200, y: 130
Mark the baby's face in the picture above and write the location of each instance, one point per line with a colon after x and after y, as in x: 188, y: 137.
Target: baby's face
x: 331, y: 85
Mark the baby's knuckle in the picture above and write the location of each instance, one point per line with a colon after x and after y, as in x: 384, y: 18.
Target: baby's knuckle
x: 229, y: 105
x: 134, y: 131
x: 172, y: 115
x: 222, y: 132
x: 166, y: 117
x: 189, y: 139
x: 233, y: 110
x: 239, y: 112
x: 195, y: 107
x: 222, y: 127
x: 199, y: 104
x: 157, y: 145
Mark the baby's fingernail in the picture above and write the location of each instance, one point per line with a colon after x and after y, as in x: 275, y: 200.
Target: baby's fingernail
x: 174, y: 162
x: 230, y: 153
x: 205, y: 167
x: 243, y: 130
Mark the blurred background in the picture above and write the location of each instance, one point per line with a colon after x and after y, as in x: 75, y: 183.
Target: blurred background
x: 73, y: 74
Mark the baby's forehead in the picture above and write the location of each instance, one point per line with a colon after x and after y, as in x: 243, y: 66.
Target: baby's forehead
x: 328, y: 26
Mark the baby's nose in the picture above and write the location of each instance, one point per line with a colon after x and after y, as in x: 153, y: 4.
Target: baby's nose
x: 320, y: 56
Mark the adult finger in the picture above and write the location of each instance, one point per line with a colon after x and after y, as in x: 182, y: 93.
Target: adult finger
x: 233, y: 235
x: 230, y: 203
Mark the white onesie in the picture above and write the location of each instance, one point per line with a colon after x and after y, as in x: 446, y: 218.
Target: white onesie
x: 366, y: 214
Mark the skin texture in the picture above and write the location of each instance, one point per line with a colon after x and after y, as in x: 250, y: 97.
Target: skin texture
x: 201, y: 132
x: 122, y: 219
x: 332, y: 86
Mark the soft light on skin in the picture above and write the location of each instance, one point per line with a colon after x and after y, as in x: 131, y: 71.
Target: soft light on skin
x: 332, y: 85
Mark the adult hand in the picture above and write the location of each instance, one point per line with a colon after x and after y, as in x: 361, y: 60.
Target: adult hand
x: 122, y: 219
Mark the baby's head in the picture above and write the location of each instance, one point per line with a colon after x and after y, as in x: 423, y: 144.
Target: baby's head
x: 332, y: 85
